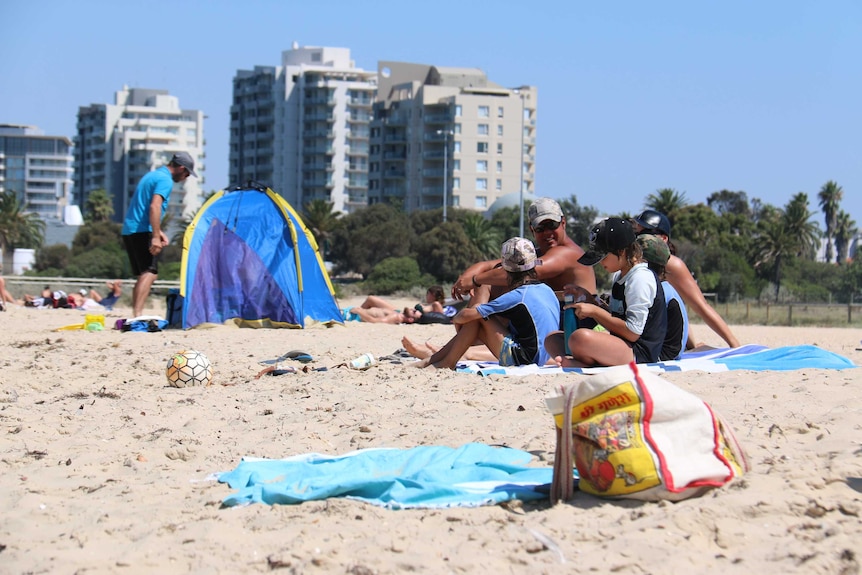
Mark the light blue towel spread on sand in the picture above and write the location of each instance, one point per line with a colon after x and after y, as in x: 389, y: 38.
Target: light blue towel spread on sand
x: 422, y: 477
x: 752, y: 357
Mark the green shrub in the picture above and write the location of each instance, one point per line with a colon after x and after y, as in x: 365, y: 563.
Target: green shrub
x: 393, y: 274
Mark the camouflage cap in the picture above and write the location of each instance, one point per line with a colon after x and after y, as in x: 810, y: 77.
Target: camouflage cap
x: 654, y: 248
x: 518, y: 255
x: 544, y: 209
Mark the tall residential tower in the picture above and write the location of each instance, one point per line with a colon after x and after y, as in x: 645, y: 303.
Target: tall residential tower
x: 449, y: 136
x: 38, y: 168
x: 302, y: 128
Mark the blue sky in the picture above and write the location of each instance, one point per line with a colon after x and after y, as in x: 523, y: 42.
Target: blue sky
x: 763, y: 97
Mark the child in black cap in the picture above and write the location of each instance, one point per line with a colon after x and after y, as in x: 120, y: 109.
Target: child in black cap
x: 636, y: 319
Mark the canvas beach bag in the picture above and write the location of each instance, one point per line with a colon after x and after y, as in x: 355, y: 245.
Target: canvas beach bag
x: 634, y: 435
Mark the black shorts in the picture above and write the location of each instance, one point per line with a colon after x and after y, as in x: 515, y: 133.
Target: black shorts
x: 138, y: 248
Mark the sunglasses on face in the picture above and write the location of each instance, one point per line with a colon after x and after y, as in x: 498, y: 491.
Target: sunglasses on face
x: 547, y: 226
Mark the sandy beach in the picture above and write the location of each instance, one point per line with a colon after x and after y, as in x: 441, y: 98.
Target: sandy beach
x: 104, y: 466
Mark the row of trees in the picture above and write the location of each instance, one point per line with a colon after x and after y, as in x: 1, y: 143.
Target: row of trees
x: 736, y: 247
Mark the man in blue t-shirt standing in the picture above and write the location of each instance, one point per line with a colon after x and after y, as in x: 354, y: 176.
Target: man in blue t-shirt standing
x: 142, y: 229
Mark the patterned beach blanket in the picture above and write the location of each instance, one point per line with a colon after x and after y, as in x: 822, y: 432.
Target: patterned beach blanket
x: 751, y: 357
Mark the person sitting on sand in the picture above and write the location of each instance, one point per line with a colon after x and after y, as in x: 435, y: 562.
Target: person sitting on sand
x: 679, y: 276
x: 635, y: 322
x: 435, y: 302
x: 513, y: 325
x: 657, y: 254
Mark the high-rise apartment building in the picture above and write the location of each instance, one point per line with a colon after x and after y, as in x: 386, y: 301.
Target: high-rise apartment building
x: 38, y: 168
x: 302, y: 128
x: 116, y: 144
x: 449, y: 137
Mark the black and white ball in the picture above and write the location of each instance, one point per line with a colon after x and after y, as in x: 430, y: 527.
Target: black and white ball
x: 189, y: 368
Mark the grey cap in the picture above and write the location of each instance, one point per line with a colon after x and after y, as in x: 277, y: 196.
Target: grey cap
x: 185, y: 160
x: 544, y: 209
x: 518, y: 255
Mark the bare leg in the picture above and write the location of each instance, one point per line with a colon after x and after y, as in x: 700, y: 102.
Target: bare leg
x: 595, y: 348
x: 375, y: 301
x: 417, y: 350
x: 142, y: 291
x: 448, y: 355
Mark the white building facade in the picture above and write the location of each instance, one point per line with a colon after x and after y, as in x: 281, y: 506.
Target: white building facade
x: 116, y: 144
x: 302, y: 128
x: 449, y: 136
x: 38, y: 168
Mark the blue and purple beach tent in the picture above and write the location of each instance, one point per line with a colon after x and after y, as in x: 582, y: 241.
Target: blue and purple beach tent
x: 248, y: 255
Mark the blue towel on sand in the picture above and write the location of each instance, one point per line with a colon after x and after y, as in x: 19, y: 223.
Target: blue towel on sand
x: 422, y: 477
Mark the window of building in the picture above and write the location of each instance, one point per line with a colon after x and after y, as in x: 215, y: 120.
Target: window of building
x: 456, y: 183
x: 482, y: 147
x: 498, y: 184
x: 456, y: 147
x: 482, y: 202
x: 457, y: 110
x: 500, y: 129
x: 481, y: 166
x: 499, y: 167
x: 456, y: 165
x: 481, y: 183
x: 499, y: 147
x: 457, y: 129
x: 484, y: 111
x: 456, y: 201
x: 482, y: 129
x: 499, y: 111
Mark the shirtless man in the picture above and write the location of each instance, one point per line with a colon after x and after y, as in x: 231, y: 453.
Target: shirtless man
x: 559, y: 267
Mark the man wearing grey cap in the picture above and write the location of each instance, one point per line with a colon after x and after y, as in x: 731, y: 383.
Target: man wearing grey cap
x: 143, y: 236
x: 557, y: 251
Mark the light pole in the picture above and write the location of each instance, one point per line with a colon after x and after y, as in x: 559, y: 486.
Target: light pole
x: 521, y: 169
x: 446, y: 134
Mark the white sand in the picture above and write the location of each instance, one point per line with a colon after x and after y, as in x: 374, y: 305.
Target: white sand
x: 101, y: 461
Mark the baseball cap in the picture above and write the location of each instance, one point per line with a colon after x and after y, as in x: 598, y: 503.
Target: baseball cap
x: 609, y: 235
x: 653, y: 221
x: 654, y: 248
x: 185, y: 160
x: 82, y: 291
x: 518, y: 255
x: 544, y: 209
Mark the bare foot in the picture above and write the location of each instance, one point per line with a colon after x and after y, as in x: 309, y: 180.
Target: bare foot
x: 416, y: 350
x: 566, y: 361
x: 421, y: 364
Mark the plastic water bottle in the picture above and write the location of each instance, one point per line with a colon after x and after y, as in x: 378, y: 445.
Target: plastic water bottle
x: 364, y: 361
x: 570, y: 321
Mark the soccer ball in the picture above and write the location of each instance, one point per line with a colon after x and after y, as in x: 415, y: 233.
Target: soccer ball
x: 189, y: 368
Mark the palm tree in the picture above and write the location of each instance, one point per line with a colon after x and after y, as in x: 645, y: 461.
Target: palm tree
x: 845, y: 229
x: 797, y: 218
x: 482, y: 234
x: 830, y: 196
x: 773, y: 242
x: 99, y: 207
x: 322, y: 220
x: 18, y: 228
x: 667, y: 201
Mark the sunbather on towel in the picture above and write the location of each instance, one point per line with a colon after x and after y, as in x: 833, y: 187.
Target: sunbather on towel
x: 514, y: 325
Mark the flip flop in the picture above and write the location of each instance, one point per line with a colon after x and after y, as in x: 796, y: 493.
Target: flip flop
x: 297, y: 355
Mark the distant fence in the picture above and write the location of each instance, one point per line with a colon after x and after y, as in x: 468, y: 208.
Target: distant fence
x: 33, y: 285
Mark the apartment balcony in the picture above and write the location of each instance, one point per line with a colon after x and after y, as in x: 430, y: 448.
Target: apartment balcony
x: 359, y: 118
x: 319, y: 117
x: 393, y: 155
x: 435, y: 137
x: 318, y: 168
x: 394, y: 174
x: 393, y: 191
x: 357, y: 150
x: 433, y: 172
x: 434, y: 154
x: 437, y: 118
x: 318, y: 133
x: 320, y: 100
x: 395, y: 138
x: 319, y: 149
